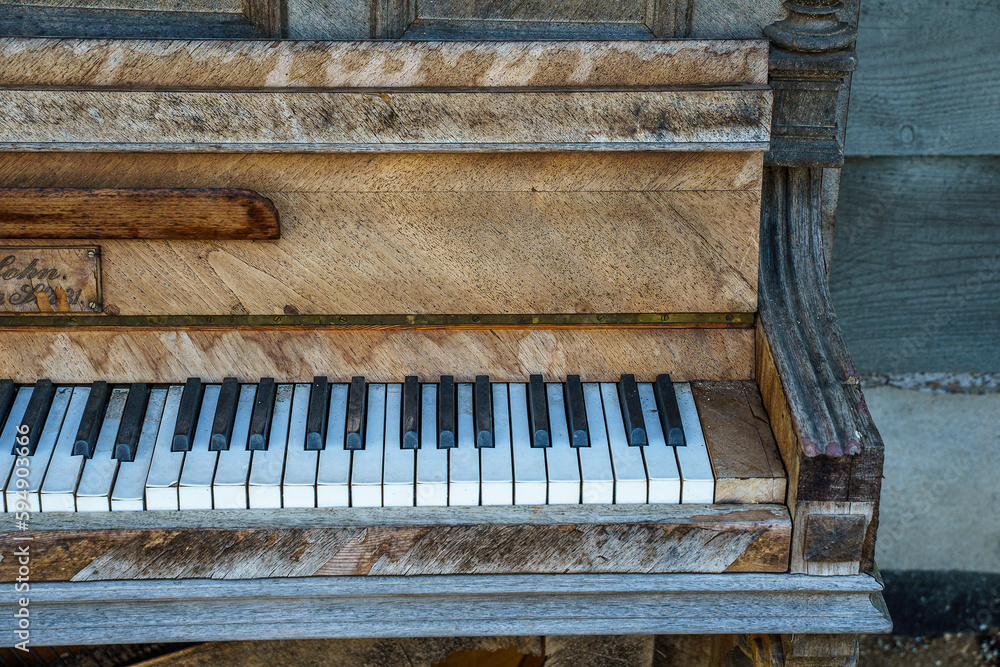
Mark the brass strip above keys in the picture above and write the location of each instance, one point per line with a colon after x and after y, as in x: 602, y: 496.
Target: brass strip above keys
x: 466, y: 321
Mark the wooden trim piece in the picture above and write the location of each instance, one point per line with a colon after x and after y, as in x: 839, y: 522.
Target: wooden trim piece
x: 298, y: 354
x: 269, y: 17
x: 462, y: 605
x: 483, y: 541
x: 250, y: 65
x: 744, y: 455
x: 69, y: 213
x: 390, y: 18
x: 92, y: 120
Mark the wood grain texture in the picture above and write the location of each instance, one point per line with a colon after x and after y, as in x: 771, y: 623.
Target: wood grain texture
x: 387, y: 173
x: 468, y: 29
x: 450, y: 253
x: 70, y: 213
x: 619, y: 11
x: 743, y: 539
x: 269, y: 17
x: 226, y: 6
x: 930, y: 80
x: 74, y: 355
x: 744, y: 455
x: 77, y: 22
x: 378, y: 65
x: 916, y: 271
x: 385, y: 122
x: 459, y: 605
x: 328, y: 19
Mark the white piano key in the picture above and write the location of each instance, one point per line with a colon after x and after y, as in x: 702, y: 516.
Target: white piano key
x: 697, y: 478
x: 596, y: 476
x: 432, y: 463
x: 530, y: 482
x: 333, y: 475
x: 8, y: 437
x: 366, y: 464
x: 627, y: 464
x: 129, y: 491
x: 94, y: 492
x: 400, y: 464
x: 195, y: 490
x: 165, y: 468
x: 463, y: 460
x: 39, y: 461
x: 229, y: 488
x: 497, y: 471
x: 268, y: 464
x: 661, y: 463
x: 298, y: 486
x: 562, y: 464
x: 61, y: 479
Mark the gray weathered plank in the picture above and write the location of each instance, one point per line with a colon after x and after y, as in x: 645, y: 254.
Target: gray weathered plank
x: 929, y: 79
x: 916, y: 265
x: 198, y: 610
x: 328, y: 19
x: 408, y: 121
x: 618, y: 11
x: 29, y: 21
x: 448, y: 29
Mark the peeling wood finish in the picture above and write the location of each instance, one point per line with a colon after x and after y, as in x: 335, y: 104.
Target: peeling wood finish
x: 194, y: 65
x: 384, y: 122
x: 69, y: 213
x: 692, y: 539
x: 75, y: 356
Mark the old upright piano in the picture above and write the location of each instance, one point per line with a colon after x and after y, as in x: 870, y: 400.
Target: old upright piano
x: 429, y: 318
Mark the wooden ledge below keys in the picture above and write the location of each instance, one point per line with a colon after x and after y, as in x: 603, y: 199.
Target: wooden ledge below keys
x: 247, y: 544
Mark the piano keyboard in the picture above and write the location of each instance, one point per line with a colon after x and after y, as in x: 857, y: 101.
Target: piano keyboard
x: 268, y: 445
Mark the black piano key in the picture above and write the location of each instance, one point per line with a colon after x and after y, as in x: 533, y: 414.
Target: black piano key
x: 628, y: 396
x: 34, y: 416
x: 131, y: 423
x: 483, y: 397
x: 670, y: 414
x: 225, y: 415
x: 7, y: 392
x: 355, y: 438
x: 319, y: 408
x: 576, y: 412
x: 411, y: 412
x: 538, y: 412
x: 187, y: 416
x: 92, y: 420
x: 447, y: 416
x: 263, y: 410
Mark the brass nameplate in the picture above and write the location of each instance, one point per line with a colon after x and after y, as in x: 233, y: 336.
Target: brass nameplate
x: 50, y: 280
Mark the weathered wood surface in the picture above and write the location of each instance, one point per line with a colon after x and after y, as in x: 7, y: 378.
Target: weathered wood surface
x: 384, y: 122
x: 599, y: 651
x: 440, y: 234
x: 329, y: 19
x: 745, y: 458
x: 71, y: 213
x: 612, y: 11
x: 388, y: 173
x: 376, y: 65
x: 916, y: 270
x: 77, y: 22
x: 461, y: 605
x: 443, y: 29
x: 296, y: 355
x: 806, y: 650
x: 691, y: 538
x: 930, y: 79
x: 226, y: 6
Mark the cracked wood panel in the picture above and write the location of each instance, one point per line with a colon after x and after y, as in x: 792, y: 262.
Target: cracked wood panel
x: 419, y: 234
x: 415, y: 121
x: 686, y: 539
x: 193, y: 64
x: 744, y: 454
x: 298, y: 354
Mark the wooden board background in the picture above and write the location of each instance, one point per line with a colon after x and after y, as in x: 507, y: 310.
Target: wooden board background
x: 914, y: 277
x: 439, y: 233
x: 76, y: 355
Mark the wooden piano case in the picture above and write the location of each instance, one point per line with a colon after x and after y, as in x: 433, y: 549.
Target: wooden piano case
x: 456, y: 207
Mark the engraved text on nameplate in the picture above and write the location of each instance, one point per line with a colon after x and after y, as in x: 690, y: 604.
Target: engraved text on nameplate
x: 50, y: 280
